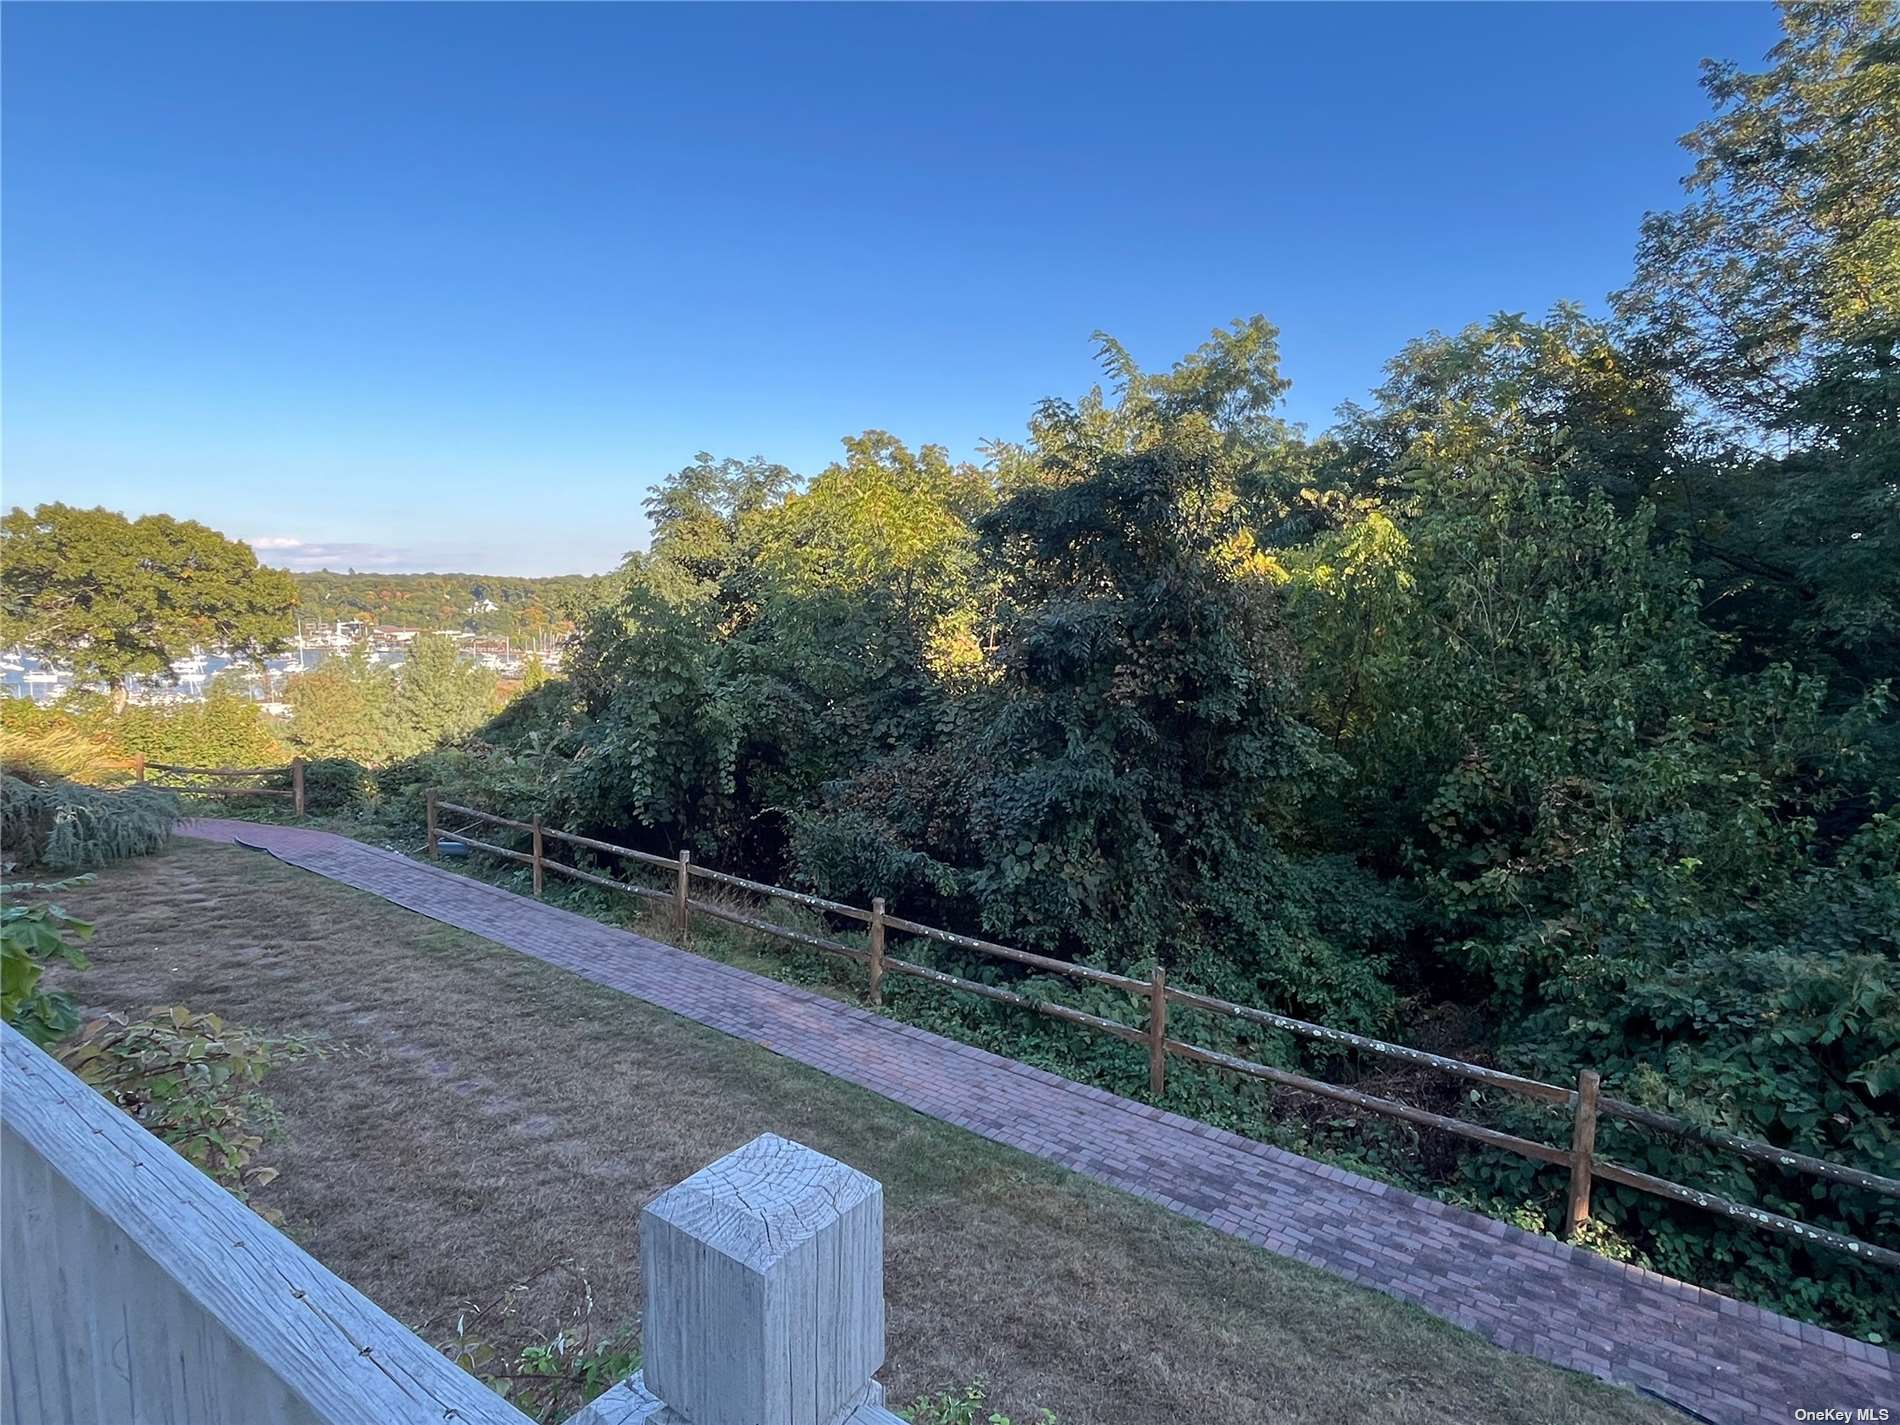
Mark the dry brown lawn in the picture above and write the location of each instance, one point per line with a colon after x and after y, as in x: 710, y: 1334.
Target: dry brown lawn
x: 485, y: 1115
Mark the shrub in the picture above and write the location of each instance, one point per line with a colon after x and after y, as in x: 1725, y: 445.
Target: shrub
x: 30, y: 935
x: 226, y: 729
x: 333, y: 784
x: 62, y: 824
x: 191, y: 1080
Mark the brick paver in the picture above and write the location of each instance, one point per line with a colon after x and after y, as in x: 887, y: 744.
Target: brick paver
x: 1720, y: 1359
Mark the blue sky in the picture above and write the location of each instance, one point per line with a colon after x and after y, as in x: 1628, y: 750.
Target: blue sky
x: 420, y: 286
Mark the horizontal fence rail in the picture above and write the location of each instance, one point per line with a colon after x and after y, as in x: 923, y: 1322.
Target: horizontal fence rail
x: 1585, y: 1105
x: 293, y: 769
x: 138, y: 1290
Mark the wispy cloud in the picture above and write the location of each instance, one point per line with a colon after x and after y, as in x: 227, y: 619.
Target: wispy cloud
x: 285, y: 552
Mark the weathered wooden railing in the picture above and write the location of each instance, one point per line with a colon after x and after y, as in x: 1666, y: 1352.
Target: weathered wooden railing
x: 134, y: 1290
x: 226, y: 780
x: 1586, y: 1104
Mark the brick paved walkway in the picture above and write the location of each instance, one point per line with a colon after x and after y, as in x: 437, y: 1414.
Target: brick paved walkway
x: 1720, y: 1359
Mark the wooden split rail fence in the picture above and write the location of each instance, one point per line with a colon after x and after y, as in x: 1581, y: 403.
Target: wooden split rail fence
x: 227, y: 779
x: 1587, y: 1105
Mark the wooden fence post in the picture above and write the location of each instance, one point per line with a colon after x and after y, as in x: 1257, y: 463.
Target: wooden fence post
x: 141, y: 766
x: 429, y: 800
x: 763, y: 1281
x: 877, y: 951
x: 1158, y: 1031
x: 296, y: 785
x: 681, y: 902
x: 537, y: 858
x: 1583, y: 1142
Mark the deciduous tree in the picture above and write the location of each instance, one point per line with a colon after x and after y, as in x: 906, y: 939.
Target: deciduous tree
x: 115, y: 597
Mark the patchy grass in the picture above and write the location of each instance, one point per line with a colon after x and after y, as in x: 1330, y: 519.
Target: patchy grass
x: 489, y: 1115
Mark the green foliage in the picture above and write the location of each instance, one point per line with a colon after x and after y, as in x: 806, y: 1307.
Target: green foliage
x: 341, y: 708
x: 1111, y: 791
x: 534, y: 673
x: 1773, y: 297
x: 80, y: 740
x: 63, y: 825
x: 192, y: 1081
x: 1788, y: 241
x: 438, y: 696
x: 550, y: 1379
x: 223, y: 729
x: 968, y: 1406
x: 355, y: 709
x: 769, y: 642
x: 32, y: 934
x: 333, y: 784
x: 114, y: 597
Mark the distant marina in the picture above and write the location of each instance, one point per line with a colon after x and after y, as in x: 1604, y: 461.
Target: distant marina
x: 22, y: 675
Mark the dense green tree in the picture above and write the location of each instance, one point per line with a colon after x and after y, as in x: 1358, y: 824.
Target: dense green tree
x: 1773, y: 296
x: 438, y: 695
x: 115, y: 597
x: 534, y: 673
x: 771, y: 639
x: 352, y: 707
x: 701, y: 517
x: 343, y: 708
x: 882, y: 521
x: 1790, y: 241
x: 1120, y: 790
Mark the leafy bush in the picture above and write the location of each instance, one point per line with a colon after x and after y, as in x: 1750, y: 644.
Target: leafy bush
x: 32, y: 934
x: 191, y: 1080
x: 62, y: 824
x: 227, y: 728
x: 333, y: 784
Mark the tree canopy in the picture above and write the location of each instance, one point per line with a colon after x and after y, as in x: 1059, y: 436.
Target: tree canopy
x: 114, y: 597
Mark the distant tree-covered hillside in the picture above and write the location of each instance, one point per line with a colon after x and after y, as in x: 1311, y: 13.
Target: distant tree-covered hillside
x: 473, y: 603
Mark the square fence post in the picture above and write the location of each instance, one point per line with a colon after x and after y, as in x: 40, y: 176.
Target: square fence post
x: 296, y: 785
x: 763, y: 1277
x: 1583, y: 1142
x: 537, y: 858
x: 1158, y: 1031
x: 682, y: 903
x: 877, y: 950
x: 428, y: 799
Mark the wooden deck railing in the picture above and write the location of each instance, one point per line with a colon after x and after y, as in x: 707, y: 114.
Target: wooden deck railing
x: 1585, y: 1102
x: 226, y: 779
x: 138, y: 1289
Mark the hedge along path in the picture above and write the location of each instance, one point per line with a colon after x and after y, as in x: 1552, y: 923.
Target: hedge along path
x: 1721, y: 1359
